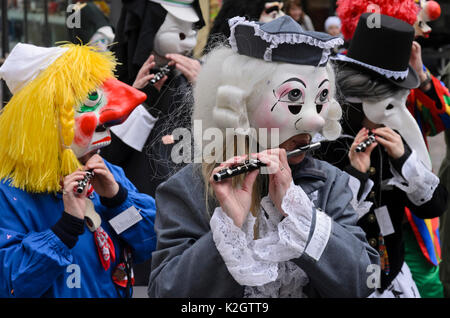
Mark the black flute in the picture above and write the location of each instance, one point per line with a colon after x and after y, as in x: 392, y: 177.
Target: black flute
x: 163, y: 71
x: 366, y: 143
x: 83, y: 183
x: 253, y: 164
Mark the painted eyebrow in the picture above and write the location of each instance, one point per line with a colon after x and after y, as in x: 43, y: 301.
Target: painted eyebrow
x: 294, y: 79
x: 323, y: 82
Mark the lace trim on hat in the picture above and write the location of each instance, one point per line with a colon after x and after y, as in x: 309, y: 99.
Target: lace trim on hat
x: 387, y: 73
x: 276, y: 39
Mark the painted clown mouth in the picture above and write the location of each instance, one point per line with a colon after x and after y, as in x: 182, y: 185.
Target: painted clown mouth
x: 102, y: 141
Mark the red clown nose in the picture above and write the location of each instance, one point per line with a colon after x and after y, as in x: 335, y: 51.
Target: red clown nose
x: 433, y: 10
x: 122, y: 100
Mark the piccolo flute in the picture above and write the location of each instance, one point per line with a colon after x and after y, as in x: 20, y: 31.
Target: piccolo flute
x: 83, y: 183
x: 163, y: 71
x: 253, y: 164
x: 366, y: 143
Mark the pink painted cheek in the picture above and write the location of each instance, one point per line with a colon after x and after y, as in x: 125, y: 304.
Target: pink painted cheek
x: 84, y: 129
x: 265, y: 118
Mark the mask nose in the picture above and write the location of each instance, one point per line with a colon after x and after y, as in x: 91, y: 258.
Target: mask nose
x: 310, y: 123
x: 122, y: 100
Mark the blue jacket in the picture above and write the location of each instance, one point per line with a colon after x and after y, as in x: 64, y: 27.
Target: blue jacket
x: 34, y: 262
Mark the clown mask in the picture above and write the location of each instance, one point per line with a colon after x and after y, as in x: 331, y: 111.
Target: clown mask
x: 107, y: 106
x: 428, y: 11
x: 175, y: 36
x: 392, y: 112
x: 296, y: 99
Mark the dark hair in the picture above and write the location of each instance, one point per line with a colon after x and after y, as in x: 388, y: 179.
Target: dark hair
x: 288, y: 4
x: 355, y: 81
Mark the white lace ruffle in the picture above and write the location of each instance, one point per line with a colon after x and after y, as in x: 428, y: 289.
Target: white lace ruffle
x: 289, y: 283
x: 263, y: 265
x: 276, y: 39
x: 286, y: 239
x: 361, y: 206
x: 379, y: 70
x: 320, y: 237
x: 233, y: 245
x: 416, y: 180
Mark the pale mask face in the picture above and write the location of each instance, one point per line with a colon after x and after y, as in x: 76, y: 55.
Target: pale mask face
x: 296, y: 99
x: 103, y: 38
x: 272, y: 11
x: 175, y: 36
x: 109, y: 105
x: 429, y: 11
x: 392, y: 112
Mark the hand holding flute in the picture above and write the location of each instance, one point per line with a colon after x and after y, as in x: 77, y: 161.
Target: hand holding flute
x: 253, y: 164
x: 361, y: 149
x: 236, y: 201
x: 83, y: 183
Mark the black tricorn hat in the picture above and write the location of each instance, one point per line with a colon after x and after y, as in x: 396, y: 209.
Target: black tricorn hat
x: 281, y: 40
x: 383, y: 46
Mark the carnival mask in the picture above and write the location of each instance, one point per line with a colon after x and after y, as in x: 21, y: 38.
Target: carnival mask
x: 103, y: 38
x: 107, y: 106
x: 296, y: 99
x: 392, y: 112
x: 272, y: 10
x: 429, y: 11
x: 175, y: 36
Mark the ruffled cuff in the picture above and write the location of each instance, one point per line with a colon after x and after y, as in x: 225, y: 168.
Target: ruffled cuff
x: 415, y: 180
x: 233, y: 245
x: 289, y: 238
x: 321, y: 235
x: 361, y: 206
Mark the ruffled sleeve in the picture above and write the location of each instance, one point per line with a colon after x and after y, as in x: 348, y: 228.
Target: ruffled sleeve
x: 415, y: 180
x: 287, y: 239
x: 256, y: 262
x: 233, y: 245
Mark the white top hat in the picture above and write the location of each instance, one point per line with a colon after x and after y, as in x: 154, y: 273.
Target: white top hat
x: 181, y: 9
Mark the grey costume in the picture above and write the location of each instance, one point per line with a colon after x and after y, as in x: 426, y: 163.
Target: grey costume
x: 187, y: 263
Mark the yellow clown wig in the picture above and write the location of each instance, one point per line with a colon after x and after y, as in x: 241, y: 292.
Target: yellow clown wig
x: 37, y: 125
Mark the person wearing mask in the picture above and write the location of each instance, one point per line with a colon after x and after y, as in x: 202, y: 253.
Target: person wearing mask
x: 71, y: 224
x: 428, y: 103
x: 382, y: 145
x: 288, y: 232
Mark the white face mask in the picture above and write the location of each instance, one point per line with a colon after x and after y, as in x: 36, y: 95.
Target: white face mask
x: 296, y: 99
x: 392, y: 112
x: 175, y: 36
x: 103, y: 38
